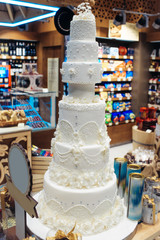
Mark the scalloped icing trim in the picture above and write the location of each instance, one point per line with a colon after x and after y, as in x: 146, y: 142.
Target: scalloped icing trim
x: 87, y: 226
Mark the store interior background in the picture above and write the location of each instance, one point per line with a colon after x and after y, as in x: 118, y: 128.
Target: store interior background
x: 50, y: 44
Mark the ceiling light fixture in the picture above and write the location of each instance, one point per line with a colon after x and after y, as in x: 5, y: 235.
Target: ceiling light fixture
x: 31, y: 5
x: 156, y: 23
x: 142, y: 22
x: 120, y: 19
x: 52, y: 12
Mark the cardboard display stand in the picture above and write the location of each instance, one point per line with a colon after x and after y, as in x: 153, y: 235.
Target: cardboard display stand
x: 19, y: 184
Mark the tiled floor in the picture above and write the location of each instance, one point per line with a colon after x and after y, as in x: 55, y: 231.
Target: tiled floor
x: 120, y: 151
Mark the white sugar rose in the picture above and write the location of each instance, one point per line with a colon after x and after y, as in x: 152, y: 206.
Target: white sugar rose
x: 72, y: 71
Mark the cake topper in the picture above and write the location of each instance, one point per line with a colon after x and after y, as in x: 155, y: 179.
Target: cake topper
x: 84, y: 12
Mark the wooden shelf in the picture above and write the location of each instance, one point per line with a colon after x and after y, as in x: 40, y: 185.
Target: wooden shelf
x: 120, y: 134
x: 147, y: 232
x: 153, y: 93
x: 113, y: 89
x: 18, y: 57
x: 119, y: 123
x: 119, y: 99
x: 125, y: 109
x: 154, y: 58
x: 153, y: 82
x: 154, y: 105
x: 154, y: 70
x: 130, y: 69
x: 116, y: 79
x: 106, y: 56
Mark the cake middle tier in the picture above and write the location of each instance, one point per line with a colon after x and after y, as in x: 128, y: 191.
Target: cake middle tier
x: 86, y: 117
x: 81, y: 72
x: 82, y: 51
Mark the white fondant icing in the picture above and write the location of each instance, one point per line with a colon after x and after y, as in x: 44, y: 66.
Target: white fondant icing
x: 105, y: 216
x: 83, y: 30
x: 89, y: 158
x: 82, y: 51
x: 79, y: 179
x: 68, y: 198
x: 81, y: 92
x: 80, y: 185
x: 82, y: 73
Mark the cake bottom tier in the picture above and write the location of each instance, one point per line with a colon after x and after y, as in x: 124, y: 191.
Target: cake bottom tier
x: 92, y: 210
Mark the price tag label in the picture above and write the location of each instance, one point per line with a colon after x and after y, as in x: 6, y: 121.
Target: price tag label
x: 116, y: 57
x: 109, y: 99
x: 104, y: 69
x: 128, y: 97
x: 125, y: 56
x: 124, y: 79
x: 153, y: 57
x: 109, y: 56
x: 109, y: 124
x: 129, y: 69
x: 117, y: 123
x: 4, y: 57
x: 35, y: 57
x: 118, y: 79
x: 119, y: 88
x: 112, y: 89
x: 157, y: 94
x: 120, y: 98
x: 131, y: 57
x: 120, y: 69
x: 130, y: 88
x: 129, y: 78
x: 28, y: 57
x: 126, y: 121
x: 22, y: 57
x: 100, y: 55
x: 101, y: 89
x: 112, y: 69
x: 132, y: 120
x: 109, y: 79
x: 13, y: 57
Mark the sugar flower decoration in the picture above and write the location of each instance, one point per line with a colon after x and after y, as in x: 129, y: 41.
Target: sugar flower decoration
x: 72, y: 71
x: 62, y: 71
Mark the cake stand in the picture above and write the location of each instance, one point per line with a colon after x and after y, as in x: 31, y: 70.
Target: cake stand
x: 119, y: 232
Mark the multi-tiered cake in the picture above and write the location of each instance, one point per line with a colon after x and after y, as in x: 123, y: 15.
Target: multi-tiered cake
x: 80, y: 184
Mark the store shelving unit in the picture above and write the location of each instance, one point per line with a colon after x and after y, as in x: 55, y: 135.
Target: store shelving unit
x: 118, y: 88
x: 154, y: 78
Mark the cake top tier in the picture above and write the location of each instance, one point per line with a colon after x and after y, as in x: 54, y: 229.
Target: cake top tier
x: 84, y: 12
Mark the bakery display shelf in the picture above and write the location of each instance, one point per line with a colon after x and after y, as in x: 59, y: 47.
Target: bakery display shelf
x: 107, y: 56
x: 18, y: 57
x: 113, y: 89
x: 118, y: 110
x: 118, y: 99
x: 130, y: 69
x: 34, y: 120
x: 118, y: 123
x: 116, y: 79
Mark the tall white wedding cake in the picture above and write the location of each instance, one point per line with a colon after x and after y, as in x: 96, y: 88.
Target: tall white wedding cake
x: 80, y: 184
